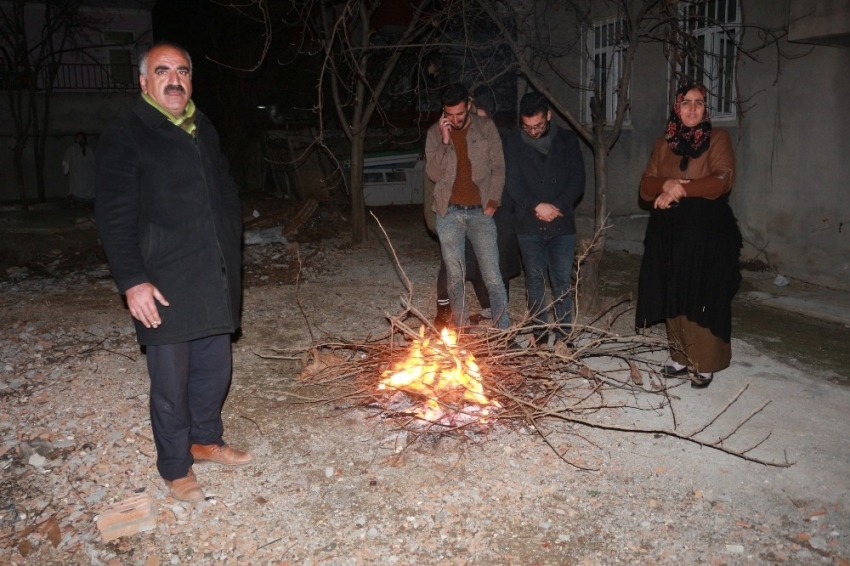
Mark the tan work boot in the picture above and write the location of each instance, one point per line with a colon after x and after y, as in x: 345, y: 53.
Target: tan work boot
x: 185, y: 488
x: 224, y: 455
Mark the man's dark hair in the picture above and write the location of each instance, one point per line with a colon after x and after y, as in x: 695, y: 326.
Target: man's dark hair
x: 485, y: 100
x: 533, y: 104
x: 454, y: 94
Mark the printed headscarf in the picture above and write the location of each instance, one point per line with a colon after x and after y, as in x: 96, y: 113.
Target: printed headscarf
x: 683, y: 140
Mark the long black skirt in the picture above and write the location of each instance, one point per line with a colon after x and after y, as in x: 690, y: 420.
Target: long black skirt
x: 690, y: 265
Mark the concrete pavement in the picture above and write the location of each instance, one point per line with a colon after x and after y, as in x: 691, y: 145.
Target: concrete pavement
x: 826, y: 304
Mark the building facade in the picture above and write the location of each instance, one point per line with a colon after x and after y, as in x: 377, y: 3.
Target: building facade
x: 777, y: 75
x: 93, y: 51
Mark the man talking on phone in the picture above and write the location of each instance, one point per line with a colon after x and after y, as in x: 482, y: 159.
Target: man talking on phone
x: 463, y: 154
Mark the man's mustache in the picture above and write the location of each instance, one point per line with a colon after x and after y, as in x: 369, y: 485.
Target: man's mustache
x: 174, y: 88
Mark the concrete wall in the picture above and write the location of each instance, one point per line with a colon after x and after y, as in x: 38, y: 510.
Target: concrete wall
x: 792, y: 190
x: 791, y: 193
x: 826, y: 22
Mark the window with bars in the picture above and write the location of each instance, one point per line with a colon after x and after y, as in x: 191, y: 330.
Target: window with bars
x: 120, y: 57
x: 606, y: 41
x: 710, y: 29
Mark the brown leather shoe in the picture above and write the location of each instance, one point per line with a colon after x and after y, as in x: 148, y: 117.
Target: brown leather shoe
x: 224, y: 455
x: 185, y: 488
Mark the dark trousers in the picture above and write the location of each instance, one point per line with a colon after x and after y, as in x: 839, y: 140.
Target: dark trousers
x: 189, y: 383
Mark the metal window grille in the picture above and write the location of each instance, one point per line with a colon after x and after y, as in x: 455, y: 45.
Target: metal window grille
x: 75, y: 77
x: 712, y: 26
x: 119, y: 56
x: 606, y: 41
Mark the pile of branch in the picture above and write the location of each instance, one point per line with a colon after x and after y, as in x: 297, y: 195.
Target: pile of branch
x: 531, y: 386
x: 601, y: 377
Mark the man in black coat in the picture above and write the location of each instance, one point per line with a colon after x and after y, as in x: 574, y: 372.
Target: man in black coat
x: 170, y: 221
x: 545, y: 177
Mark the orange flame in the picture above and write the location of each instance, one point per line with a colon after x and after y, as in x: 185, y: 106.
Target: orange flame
x: 439, y: 371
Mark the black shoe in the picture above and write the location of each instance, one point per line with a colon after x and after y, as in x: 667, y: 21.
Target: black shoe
x: 477, y: 318
x: 514, y: 346
x: 670, y: 371
x: 444, y: 317
x: 700, y: 382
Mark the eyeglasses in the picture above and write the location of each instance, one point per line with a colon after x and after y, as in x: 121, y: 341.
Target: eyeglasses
x: 535, y: 128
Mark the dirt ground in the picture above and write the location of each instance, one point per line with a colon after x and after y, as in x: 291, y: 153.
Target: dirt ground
x: 335, y: 485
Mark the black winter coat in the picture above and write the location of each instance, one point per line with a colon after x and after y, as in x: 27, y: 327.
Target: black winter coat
x: 168, y: 213
x: 556, y: 178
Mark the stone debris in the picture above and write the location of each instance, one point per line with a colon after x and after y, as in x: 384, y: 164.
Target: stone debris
x: 134, y: 515
x: 265, y: 236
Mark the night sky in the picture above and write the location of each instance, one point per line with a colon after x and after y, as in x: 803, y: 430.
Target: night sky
x: 181, y: 21
x: 217, y: 37
x: 223, y: 43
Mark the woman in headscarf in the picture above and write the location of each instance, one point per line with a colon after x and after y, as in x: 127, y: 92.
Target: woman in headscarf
x: 690, y: 270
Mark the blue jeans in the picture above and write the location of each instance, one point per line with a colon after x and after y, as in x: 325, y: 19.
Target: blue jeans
x: 458, y: 224
x: 551, y: 256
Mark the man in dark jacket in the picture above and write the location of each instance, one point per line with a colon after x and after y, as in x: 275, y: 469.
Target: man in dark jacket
x: 170, y: 222
x: 544, y: 172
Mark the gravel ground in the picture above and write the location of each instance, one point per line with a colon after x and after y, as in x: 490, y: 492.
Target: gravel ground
x: 340, y: 486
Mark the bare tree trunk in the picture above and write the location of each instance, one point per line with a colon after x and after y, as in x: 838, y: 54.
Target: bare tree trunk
x: 590, y: 267
x: 593, y: 258
x: 358, y: 204
x: 39, y: 135
x: 367, y: 90
x: 18, y: 160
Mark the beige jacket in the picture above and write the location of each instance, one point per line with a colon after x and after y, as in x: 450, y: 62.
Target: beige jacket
x: 485, y: 154
x: 711, y: 174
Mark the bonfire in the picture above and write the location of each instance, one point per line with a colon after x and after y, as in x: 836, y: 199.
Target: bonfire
x: 443, y: 375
